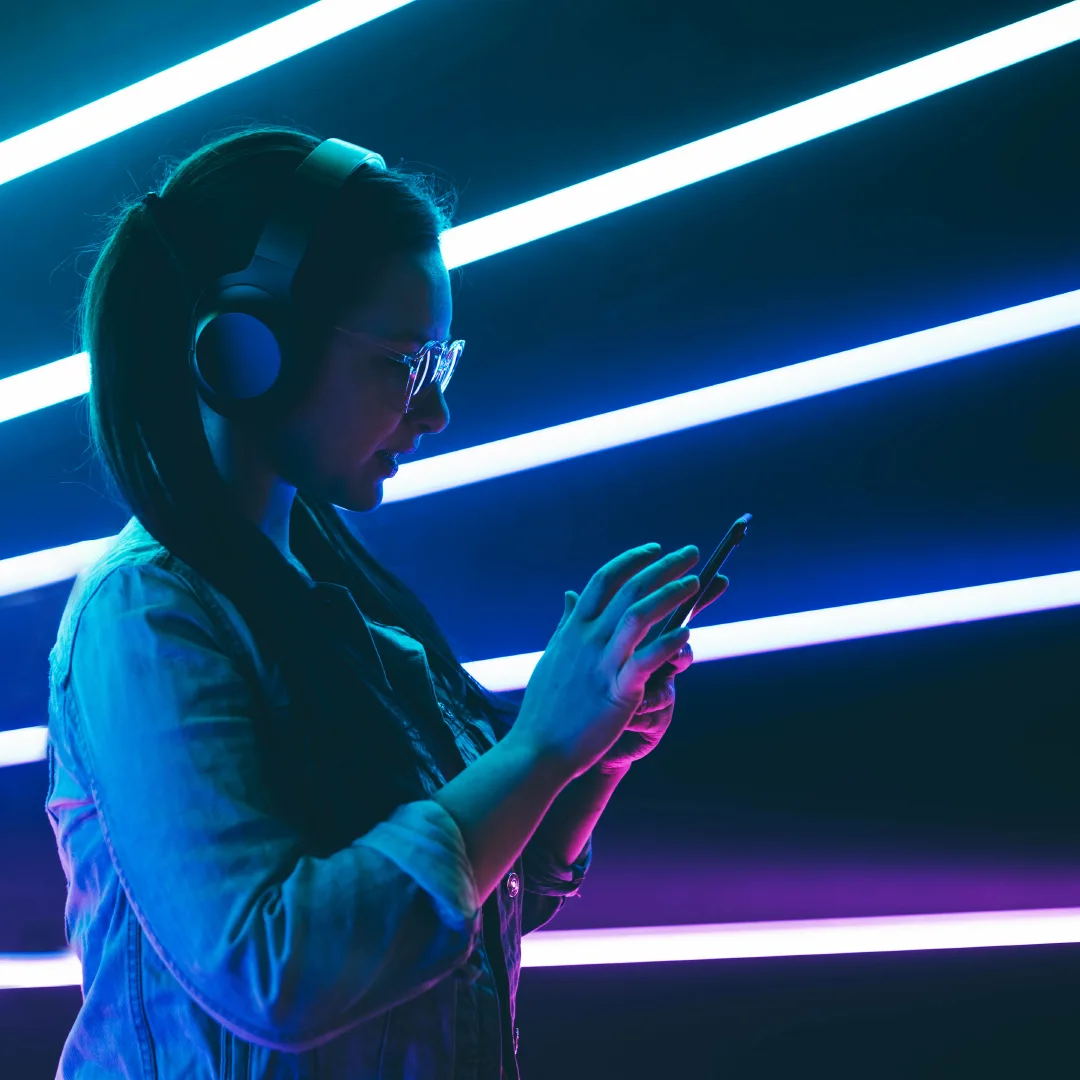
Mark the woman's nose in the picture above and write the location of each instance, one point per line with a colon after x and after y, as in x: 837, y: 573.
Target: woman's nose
x: 429, y: 413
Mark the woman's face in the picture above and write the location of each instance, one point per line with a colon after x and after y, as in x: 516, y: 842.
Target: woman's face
x: 328, y: 446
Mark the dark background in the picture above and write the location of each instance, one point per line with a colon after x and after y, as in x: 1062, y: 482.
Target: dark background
x: 931, y: 771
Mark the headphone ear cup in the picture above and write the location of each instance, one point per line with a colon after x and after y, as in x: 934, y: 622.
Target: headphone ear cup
x: 237, y: 356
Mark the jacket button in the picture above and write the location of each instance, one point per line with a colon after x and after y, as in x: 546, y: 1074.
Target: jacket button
x: 513, y: 884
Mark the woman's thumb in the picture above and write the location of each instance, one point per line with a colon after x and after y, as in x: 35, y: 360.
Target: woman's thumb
x: 569, y: 603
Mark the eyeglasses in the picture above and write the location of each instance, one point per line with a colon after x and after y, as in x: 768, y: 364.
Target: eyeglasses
x: 434, y: 363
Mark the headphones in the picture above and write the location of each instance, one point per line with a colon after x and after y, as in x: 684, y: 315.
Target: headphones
x: 242, y: 352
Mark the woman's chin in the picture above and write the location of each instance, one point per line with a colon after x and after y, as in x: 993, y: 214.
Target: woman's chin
x: 358, y: 491
x: 363, y: 497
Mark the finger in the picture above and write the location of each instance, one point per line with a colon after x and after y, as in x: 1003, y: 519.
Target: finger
x: 638, y: 619
x: 607, y: 581
x: 680, y: 662
x: 637, y: 669
x: 658, y: 695
x: 569, y: 603
x: 644, y: 583
x: 675, y: 666
x: 717, y: 587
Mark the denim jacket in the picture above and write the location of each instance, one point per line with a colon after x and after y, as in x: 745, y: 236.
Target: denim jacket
x: 215, y: 940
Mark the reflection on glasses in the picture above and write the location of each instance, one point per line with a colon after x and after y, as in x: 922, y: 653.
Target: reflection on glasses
x: 433, y: 363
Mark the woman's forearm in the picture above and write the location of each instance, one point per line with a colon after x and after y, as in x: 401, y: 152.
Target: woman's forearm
x: 498, y: 802
x: 569, y: 823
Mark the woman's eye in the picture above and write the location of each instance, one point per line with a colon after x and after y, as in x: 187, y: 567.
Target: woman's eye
x: 395, y: 367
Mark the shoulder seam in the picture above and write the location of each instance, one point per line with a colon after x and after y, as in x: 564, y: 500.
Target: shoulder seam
x: 165, y: 560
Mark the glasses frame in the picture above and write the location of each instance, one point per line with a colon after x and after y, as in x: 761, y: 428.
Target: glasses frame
x: 445, y: 355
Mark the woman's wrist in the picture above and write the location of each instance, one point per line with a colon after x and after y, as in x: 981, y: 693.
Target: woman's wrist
x: 548, y: 765
x: 498, y: 801
x: 569, y: 823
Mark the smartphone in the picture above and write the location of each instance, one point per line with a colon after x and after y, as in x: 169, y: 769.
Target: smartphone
x: 688, y: 608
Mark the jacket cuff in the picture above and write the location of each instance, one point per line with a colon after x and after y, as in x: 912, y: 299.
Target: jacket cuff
x: 423, y: 839
x: 545, y: 875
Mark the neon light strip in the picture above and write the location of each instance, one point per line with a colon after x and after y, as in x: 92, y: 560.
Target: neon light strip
x: 43, y: 386
x: 684, y: 165
x: 718, y: 941
x: 24, y: 572
x: 766, y: 135
x: 70, y: 377
x: 582, y: 202
x: 802, y: 937
x: 736, y: 397
x: 777, y: 632
x: 19, y: 746
x: 158, y: 94
x: 845, y: 623
x: 23, y: 971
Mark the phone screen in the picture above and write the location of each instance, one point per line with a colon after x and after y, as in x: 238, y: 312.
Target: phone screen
x: 688, y: 608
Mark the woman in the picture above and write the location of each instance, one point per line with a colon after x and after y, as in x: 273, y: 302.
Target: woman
x: 300, y: 839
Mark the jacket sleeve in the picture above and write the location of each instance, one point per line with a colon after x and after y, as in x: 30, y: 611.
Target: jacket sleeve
x: 548, y: 882
x: 286, y: 948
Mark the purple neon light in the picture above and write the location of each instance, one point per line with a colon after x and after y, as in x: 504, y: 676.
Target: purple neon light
x: 801, y: 937
x: 717, y: 941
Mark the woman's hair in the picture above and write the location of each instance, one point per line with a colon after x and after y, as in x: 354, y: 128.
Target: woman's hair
x: 146, y: 424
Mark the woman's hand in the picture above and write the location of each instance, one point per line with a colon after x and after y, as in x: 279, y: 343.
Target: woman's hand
x: 648, y: 724
x: 590, y: 681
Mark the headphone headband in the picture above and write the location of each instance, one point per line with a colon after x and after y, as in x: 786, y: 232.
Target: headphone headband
x: 312, y: 191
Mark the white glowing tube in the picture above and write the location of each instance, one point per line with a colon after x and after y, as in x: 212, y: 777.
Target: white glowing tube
x: 684, y: 165
x: 19, y: 746
x: 202, y: 74
x: 42, y: 386
x: 802, y: 628
x: 736, y: 397
x: 802, y: 937
x: 766, y: 135
x: 33, y: 970
x: 657, y: 175
x: 852, y: 367
x: 718, y: 941
x: 21, y: 573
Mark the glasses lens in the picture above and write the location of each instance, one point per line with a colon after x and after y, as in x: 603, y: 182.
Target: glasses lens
x: 437, y: 363
x: 424, y: 369
x: 448, y: 362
